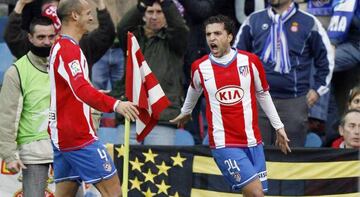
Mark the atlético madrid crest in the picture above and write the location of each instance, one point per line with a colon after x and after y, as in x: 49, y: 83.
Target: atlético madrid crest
x: 243, y: 70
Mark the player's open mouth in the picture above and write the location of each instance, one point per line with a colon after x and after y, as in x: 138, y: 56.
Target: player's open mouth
x: 213, y: 46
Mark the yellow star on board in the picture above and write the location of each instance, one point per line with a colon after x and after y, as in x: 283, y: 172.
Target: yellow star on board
x: 163, y: 168
x: 149, y: 176
x: 150, y: 156
x: 120, y: 150
x: 163, y: 187
x: 178, y: 160
x: 148, y: 193
x: 136, y: 165
x: 135, y: 184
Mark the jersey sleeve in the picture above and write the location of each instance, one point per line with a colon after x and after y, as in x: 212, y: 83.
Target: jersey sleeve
x: 261, y: 84
x: 73, y: 68
x: 195, y: 77
x: 194, y: 90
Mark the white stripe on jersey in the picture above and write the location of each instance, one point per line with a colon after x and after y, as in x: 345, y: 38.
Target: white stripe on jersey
x: 52, y: 111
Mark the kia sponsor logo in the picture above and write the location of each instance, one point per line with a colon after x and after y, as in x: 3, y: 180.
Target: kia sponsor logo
x: 229, y: 95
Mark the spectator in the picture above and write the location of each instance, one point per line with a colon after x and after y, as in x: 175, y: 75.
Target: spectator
x: 162, y: 35
x: 349, y: 129
x: 195, y: 13
x: 94, y: 44
x: 354, y: 98
x: 344, y: 31
x: 352, y: 104
x: 25, y: 101
x: 231, y: 81
x: 78, y: 155
x: 288, y: 42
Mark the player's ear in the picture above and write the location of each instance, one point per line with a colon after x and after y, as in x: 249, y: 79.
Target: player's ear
x: 230, y: 38
x: 74, y: 15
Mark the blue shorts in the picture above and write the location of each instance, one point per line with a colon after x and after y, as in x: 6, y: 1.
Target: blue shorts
x: 90, y: 164
x: 240, y: 166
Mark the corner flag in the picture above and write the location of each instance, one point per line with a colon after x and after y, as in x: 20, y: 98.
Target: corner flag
x: 143, y: 89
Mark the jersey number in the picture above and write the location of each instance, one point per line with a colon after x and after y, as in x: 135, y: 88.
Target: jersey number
x: 102, y: 154
x: 232, y: 166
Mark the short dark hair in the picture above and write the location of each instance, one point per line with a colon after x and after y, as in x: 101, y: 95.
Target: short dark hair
x: 39, y: 20
x: 65, y: 8
x: 229, y: 24
x: 343, y: 117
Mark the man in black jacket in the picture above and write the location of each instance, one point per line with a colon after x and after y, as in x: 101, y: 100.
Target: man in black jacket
x: 162, y: 36
x: 94, y: 44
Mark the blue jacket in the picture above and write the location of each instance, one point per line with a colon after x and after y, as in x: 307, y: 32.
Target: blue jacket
x: 308, y: 45
x: 345, y: 22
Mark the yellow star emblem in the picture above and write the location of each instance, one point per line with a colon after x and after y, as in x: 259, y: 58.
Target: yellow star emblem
x: 163, y: 187
x: 148, y: 193
x: 178, y: 160
x: 136, y: 165
x: 163, y: 168
x: 121, y: 151
x: 149, y: 176
x: 150, y: 156
x: 135, y: 184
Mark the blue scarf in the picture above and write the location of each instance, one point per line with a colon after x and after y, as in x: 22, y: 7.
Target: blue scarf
x: 341, y: 20
x: 276, y: 46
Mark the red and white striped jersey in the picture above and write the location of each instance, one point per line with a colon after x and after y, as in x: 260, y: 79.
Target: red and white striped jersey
x: 70, y: 122
x: 230, y: 91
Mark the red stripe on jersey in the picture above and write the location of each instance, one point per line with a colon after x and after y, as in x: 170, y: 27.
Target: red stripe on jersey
x: 232, y: 115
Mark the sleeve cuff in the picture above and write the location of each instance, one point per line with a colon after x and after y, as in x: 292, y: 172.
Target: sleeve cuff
x: 115, y: 105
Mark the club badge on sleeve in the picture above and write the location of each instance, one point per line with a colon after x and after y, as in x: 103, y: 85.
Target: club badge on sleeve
x: 75, y: 67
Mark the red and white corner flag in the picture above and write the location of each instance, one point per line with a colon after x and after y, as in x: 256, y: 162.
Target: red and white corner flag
x: 143, y: 89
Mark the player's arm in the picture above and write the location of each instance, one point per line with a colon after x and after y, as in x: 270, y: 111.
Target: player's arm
x: 72, y: 72
x: 11, y: 104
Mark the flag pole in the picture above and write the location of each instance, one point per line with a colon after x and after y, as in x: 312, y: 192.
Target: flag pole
x: 126, y: 159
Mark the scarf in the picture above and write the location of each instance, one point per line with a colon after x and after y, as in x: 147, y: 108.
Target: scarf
x: 276, y: 45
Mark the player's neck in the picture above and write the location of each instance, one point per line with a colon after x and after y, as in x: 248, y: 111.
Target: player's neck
x: 73, y: 32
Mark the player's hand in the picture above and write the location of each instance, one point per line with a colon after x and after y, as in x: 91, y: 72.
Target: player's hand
x: 311, y: 97
x: 128, y: 110
x: 181, y: 119
x: 15, y: 166
x: 282, y: 141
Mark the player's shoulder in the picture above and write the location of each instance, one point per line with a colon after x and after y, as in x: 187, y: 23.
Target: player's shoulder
x: 66, y: 43
x: 202, y: 59
x: 197, y: 62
